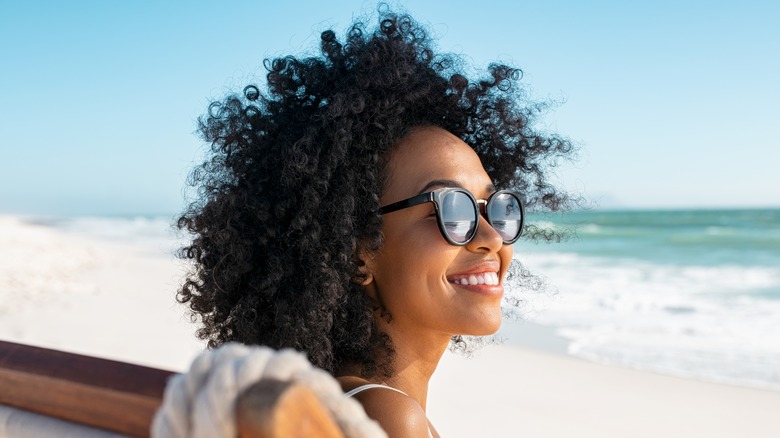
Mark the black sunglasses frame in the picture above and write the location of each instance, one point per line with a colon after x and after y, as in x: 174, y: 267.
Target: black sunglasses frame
x: 480, y: 208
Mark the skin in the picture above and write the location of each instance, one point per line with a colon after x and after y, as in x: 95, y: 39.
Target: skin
x: 412, y: 275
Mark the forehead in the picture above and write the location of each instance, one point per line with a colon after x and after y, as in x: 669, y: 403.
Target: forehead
x: 428, y: 154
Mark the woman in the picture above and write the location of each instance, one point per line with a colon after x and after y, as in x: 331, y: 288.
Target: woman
x: 363, y: 209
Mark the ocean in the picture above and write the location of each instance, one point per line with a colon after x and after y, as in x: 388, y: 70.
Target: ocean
x: 688, y: 293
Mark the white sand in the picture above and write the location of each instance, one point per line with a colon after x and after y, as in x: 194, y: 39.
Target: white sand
x: 117, y: 301
x: 516, y: 392
x: 93, y: 297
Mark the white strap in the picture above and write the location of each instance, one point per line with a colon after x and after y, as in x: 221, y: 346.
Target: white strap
x: 369, y: 386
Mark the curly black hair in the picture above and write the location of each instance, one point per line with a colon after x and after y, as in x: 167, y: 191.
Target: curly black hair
x: 290, y: 190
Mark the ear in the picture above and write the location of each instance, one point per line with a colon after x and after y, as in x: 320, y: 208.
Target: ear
x: 366, y: 262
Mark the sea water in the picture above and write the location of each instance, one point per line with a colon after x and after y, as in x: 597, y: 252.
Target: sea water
x: 687, y: 293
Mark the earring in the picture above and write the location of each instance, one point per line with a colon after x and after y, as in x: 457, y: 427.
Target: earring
x: 363, y: 278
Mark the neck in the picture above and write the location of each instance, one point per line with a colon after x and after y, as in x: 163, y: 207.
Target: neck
x: 416, y: 357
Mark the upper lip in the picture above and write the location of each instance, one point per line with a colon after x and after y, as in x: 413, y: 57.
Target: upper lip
x: 484, y: 266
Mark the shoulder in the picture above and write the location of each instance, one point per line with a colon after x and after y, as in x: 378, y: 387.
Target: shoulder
x: 397, y: 413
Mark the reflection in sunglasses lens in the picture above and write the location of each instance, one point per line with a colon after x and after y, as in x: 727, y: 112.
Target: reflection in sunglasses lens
x: 458, y: 216
x: 506, y: 215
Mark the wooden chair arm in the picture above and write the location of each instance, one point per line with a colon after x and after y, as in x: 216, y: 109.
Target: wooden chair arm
x: 123, y: 398
x: 106, y: 394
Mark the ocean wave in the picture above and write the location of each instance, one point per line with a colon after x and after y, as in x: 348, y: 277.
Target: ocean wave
x: 713, y: 322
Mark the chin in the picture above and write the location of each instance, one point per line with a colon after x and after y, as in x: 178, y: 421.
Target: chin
x: 486, y: 328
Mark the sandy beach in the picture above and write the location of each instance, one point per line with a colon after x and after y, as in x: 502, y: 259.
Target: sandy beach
x: 117, y: 300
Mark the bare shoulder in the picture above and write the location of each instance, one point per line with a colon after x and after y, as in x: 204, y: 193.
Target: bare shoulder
x: 397, y: 413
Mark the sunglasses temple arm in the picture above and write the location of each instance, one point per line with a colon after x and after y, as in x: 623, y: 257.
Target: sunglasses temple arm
x: 400, y: 205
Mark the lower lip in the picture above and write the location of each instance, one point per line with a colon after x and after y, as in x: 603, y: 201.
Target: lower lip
x: 484, y: 289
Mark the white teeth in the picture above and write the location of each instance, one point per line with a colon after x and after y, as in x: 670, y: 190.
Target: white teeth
x: 488, y: 278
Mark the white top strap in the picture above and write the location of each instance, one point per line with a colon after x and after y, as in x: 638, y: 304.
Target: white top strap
x: 369, y: 386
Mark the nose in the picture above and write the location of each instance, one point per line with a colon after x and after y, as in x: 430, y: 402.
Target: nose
x: 487, y: 240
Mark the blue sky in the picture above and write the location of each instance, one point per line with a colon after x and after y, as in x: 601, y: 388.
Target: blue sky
x: 674, y: 103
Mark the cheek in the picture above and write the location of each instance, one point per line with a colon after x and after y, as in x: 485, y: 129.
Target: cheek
x: 419, y: 257
x: 413, y: 257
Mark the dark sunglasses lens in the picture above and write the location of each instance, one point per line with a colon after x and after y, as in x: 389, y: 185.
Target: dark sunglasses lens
x: 505, y: 215
x: 459, y: 217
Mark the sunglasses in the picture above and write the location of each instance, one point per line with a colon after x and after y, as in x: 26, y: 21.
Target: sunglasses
x: 457, y: 212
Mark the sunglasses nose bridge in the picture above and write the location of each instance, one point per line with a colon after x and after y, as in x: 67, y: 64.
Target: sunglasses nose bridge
x: 482, y: 207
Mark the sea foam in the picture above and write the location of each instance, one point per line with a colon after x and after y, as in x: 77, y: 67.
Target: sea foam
x: 713, y: 317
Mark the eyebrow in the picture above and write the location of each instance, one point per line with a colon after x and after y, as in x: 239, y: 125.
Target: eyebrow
x: 440, y: 183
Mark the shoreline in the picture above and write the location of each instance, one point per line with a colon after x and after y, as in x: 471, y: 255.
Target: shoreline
x: 530, y: 335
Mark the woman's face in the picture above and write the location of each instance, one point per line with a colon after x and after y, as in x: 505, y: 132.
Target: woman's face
x: 417, y: 274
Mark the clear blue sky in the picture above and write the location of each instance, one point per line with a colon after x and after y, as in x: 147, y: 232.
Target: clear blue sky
x: 675, y: 103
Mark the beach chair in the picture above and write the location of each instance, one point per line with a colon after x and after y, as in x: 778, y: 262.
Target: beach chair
x: 44, y: 392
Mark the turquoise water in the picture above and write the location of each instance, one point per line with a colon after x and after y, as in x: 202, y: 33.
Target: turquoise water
x: 692, y: 293
x: 703, y: 237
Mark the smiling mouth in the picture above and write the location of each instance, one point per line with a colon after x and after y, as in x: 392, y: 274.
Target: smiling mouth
x: 488, y: 278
